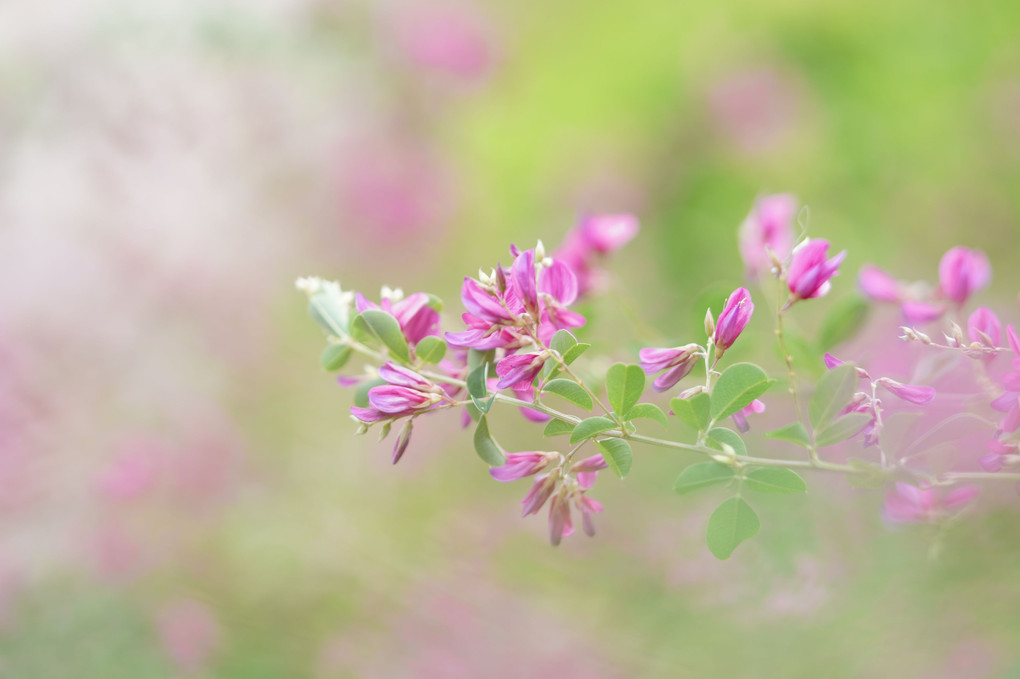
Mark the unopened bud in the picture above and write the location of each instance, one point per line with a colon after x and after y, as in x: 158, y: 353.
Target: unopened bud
x: 709, y: 323
x: 539, y: 251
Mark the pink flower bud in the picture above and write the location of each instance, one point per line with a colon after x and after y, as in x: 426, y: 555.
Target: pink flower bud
x: 400, y: 376
x: 519, y: 369
x: 962, y: 272
x: 590, y: 464
x: 740, y: 417
x: 769, y: 227
x: 398, y: 400
x: 809, y: 273
x: 733, y: 319
x: 561, y: 524
x: 919, y: 395
x: 677, y: 362
x: 519, y: 465
x: 608, y: 233
x: 539, y: 493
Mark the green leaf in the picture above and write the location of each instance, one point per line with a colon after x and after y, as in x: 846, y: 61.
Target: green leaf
x: 617, y: 454
x: 794, y: 433
x: 702, y: 475
x: 775, y: 480
x: 387, y: 330
x: 477, y: 388
x: 486, y: 448
x: 570, y: 390
x: 335, y: 356
x: 833, y: 393
x: 361, y: 393
x: 330, y: 313
x: 593, y: 426
x: 842, y: 322
x: 575, y: 352
x: 556, y: 427
x: 841, y: 429
x: 562, y: 342
x: 624, y: 386
x: 431, y: 349
x: 739, y: 384
x: 730, y: 524
x: 730, y: 438
x: 435, y: 303
x: 648, y: 411
x: 693, y: 411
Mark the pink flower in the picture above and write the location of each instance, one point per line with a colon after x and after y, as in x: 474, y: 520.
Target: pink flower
x: 768, y: 228
x: 733, y: 319
x: 561, y: 524
x: 594, y: 237
x: 809, y: 272
x: 1000, y: 452
x: 740, y: 417
x: 677, y: 362
x: 445, y: 38
x: 540, y: 491
x: 406, y: 393
x: 962, y: 272
x: 519, y: 465
x: 519, y: 369
x: 908, y: 504
x: 983, y: 326
x: 911, y: 393
x: 915, y: 304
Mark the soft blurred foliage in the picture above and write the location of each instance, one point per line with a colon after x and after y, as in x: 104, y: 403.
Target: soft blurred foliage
x: 181, y: 491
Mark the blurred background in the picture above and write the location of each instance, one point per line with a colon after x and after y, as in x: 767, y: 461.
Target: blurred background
x: 181, y: 493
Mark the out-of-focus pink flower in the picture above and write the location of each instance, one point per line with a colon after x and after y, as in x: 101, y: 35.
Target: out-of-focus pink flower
x: 446, y: 38
x: 519, y: 465
x: 756, y: 108
x: 809, y: 272
x: 912, y: 393
x: 999, y: 453
x: 732, y: 320
x: 132, y: 474
x: 594, y: 237
x: 769, y: 228
x: 561, y: 524
x: 963, y: 272
x: 740, y: 417
x: 677, y: 362
x: 190, y: 634
x: 915, y: 301
x: 983, y: 326
x: 909, y: 504
x: 538, y: 495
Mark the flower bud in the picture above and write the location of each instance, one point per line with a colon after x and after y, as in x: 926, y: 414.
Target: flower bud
x: 733, y: 319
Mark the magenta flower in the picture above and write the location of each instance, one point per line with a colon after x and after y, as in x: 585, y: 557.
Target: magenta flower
x: 417, y: 319
x: 908, y: 504
x: 519, y: 465
x: 914, y: 301
x: 594, y: 237
x: 561, y: 524
x: 809, y: 272
x: 519, y: 369
x: 767, y: 229
x: 540, y: 491
x: 733, y: 319
x: 405, y: 393
x: 740, y: 417
x: 677, y: 362
x: 911, y: 393
x: 983, y: 327
x: 962, y: 272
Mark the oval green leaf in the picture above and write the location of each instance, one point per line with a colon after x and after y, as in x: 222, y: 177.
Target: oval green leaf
x: 702, y: 475
x: 431, y: 349
x: 557, y: 427
x: 793, y: 433
x: 729, y: 437
x: 739, y: 384
x: 841, y: 429
x: 335, y: 356
x: 648, y: 411
x: 593, y: 426
x: 486, y: 447
x: 775, y: 480
x: 387, y: 330
x: 617, y: 454
x: 693, y: 411
x: 624, y: 386
x: 570, y: 390
x: 833, y: 393
x: 730, y: 524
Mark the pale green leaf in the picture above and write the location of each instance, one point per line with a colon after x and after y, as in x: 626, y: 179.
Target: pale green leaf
x: 624, y: 386
x: 335, y: 356
x: 842, y: 429
x: 739, y: 384
x: 431, y: 349
x: 617, y: 454
x: 593, y: 426
x: 648, y: 411
x: 693, y: 411
x: 387, y: 330
x: 775, y: 480
x: 702, y: 475
x: 794, y: 433
x: 571, y: 391
x: 486, y: 447
x: 833, y: 393
x: 729, y: 437
x: 556, y: 427
x: 730, y: 524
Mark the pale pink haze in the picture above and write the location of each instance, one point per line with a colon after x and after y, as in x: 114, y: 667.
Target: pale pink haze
x: 962, y: 272
x: 879, y: 286
x: 445, y: 37
x: 593, y: 238
x: 189, y: 632
x: 769, y: 227
x: 908, y: 504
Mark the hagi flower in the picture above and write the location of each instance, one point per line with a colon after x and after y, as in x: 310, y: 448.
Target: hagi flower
x: 519, y: 369
x: 594, y: 237
x: 984, y: 328
x: 915, y: 300
x: 1009, y: 401
x: 677, y: 362
x: 740, y: 417
x: 767, y: 229
x: 909, y: 504
x: 732, y: 319
x: 962, y: 272
x: 405, y: 393
x: 809, y: 272
x: 519, y: 465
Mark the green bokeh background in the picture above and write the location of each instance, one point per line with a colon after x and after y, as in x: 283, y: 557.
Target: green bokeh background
x: 903, y: 139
